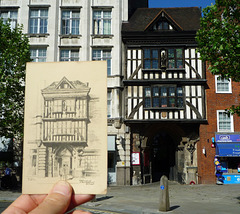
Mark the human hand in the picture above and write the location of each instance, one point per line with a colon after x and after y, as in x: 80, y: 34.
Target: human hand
x: 60, y: 200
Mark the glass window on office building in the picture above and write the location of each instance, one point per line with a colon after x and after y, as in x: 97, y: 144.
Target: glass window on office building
x: 102, y: 21
x: 38, y: 55
x: 69, y: 55
x: 38, y: 21
x: 70, y: 22
x: 9, y: 15
x: 103, y: 54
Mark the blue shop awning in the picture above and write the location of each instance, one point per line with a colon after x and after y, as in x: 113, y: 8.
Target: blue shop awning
x: 228, y: 149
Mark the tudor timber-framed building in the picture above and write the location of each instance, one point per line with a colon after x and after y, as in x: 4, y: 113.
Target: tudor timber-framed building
x: 164, y: 84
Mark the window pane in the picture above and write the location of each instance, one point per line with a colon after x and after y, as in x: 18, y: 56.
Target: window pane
x: 179, y: 92
x: 163, y: 102
x: 171, y: 53
x: 147, y: 92
x: 163, y: 91
x: 154, y: 53
x: 224, y: 122
x: 171, y: 102
x: 179, y: 53
x: 146, y: 53
x: 223, y: 85
x: 155, y: 91
x: 155, y: 102
x: 179, y: 63
x: 106, y: 27
x: 155, y: 64
x: 171, y: 91
x: 179, y: 102
x: 147, y: 64
x: 147, y: 102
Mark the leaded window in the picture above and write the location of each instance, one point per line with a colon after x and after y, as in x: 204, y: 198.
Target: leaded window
x: 163, y: 96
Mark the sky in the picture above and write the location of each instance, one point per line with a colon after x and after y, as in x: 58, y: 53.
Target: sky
x: 180, y: 3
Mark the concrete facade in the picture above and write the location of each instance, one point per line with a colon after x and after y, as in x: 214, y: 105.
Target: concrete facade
x: 54, y: 43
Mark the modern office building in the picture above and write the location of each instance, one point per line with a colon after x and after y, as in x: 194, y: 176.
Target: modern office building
x: 82, y: 30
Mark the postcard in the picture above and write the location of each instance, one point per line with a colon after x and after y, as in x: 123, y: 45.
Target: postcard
x: 65, y: 126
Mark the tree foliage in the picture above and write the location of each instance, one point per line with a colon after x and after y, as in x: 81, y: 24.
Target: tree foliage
x: 219, y: 40
x: 14, y: 53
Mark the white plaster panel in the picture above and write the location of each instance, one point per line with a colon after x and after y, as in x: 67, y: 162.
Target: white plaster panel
x: 187, y: 91
x: 187, y: 53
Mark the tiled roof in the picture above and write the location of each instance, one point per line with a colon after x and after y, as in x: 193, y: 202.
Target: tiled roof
x: 187, y: 18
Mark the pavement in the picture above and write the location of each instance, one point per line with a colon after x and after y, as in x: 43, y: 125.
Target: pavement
x: 187, y: 199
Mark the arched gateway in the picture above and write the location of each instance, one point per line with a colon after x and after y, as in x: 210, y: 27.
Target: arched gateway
x: 165, y: 149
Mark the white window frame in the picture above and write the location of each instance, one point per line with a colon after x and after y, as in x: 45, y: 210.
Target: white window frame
x: 39, y: 57
x: 109, y: 104
x: 12, y: 15
x: 104, y: 54
x: 70, y: 56
x: 99, y: 22
x: 70, y: 20
x: 218, y: 122
x: 38, y: 20
x: 229, y: 91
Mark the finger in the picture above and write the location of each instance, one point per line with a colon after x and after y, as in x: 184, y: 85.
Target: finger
x: 24, y: 204
x: 79, y: 199
x: 57, y: 201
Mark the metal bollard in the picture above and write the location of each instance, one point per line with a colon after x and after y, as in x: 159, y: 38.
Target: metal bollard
x: 164, y: 204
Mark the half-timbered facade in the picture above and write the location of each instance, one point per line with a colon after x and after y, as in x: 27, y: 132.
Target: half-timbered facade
x: 164, y: 83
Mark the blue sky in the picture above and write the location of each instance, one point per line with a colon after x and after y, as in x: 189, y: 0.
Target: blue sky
x: 180, y: 3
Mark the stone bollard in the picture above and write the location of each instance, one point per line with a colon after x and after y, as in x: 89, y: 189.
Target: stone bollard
x: 164, y: 204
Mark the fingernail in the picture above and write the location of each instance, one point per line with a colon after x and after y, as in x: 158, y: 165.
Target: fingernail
x: 62, y: 187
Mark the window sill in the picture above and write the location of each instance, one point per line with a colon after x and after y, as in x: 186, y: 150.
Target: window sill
x: 102, y: 36
x: 163, y: 108
x: 38, y: 35
x: 70, y: 36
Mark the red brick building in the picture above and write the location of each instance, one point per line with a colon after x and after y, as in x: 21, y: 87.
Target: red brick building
x: 220, y: 95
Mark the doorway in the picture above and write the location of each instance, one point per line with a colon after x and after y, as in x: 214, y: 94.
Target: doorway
x: 162, y: 156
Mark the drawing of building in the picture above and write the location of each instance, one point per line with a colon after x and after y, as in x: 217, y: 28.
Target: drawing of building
x: 62, y: 132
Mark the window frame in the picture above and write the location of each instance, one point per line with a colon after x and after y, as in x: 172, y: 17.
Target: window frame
x: 36, y: 28
x: 70, y: 56
x: 218, y: 122
x: 98, y: 22
x: 109, y: 104
x: 70, y: 19
x: 37, y: 57
x: 229, y: 85
x: 13, y: 21
x: 163, y: 58
x: 158, y: 96
x: 102, y: 57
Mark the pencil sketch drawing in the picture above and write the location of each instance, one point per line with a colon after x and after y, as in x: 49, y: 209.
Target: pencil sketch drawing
x: 61, y: 145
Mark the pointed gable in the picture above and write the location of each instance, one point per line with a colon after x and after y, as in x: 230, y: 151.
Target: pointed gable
x: 181, y: 19
x: 163, y: 22
x: 64, y: 84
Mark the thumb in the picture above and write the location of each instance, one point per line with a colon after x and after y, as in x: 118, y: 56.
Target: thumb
x: 57, y: 201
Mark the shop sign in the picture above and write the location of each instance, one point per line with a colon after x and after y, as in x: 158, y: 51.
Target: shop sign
x: 227, y: 137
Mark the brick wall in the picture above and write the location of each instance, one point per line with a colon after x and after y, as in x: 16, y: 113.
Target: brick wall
x: 214, y: 102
